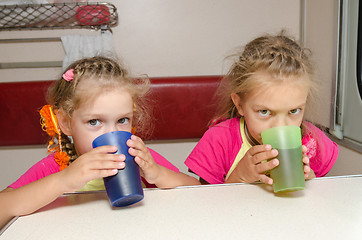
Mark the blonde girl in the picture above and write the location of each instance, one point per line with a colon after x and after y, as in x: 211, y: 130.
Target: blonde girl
x: 270, y: 84
x: 94, y: 96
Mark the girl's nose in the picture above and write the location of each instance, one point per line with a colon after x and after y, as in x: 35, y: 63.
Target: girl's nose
x: 280, y: 122
x: 111, y: 128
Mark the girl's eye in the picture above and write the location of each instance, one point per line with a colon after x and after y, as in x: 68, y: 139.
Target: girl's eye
x: 264, y: 112
x: 94, y: 122
x: 295, y: 111
x: 123, y: 120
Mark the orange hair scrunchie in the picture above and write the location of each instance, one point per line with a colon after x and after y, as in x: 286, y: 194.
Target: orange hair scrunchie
x: 49, y: 124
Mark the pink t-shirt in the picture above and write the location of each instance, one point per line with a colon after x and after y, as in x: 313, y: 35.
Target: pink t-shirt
x: 216, y: 151
x: 48, y: 166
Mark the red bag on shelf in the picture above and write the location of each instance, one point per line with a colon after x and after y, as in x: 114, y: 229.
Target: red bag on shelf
x: 93, y: 15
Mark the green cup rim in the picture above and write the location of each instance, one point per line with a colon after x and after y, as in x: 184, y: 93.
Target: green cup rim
x: 283, y: 137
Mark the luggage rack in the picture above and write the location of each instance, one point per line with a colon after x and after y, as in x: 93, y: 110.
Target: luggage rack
x: 58, y: 16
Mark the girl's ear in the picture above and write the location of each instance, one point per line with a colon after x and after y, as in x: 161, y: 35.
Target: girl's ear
x: 64, y: 122
x: 237, y: 102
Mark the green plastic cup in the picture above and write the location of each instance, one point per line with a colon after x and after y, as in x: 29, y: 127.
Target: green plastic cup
x: 289, y: 174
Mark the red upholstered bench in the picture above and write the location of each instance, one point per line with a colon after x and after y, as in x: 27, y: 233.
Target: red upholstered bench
x: 182, y: 109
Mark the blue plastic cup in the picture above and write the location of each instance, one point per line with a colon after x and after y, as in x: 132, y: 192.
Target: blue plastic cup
x: 124, y: 188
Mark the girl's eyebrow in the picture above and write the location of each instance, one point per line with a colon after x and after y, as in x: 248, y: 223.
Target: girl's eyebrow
x: 129, y: 113
x: 299, y: 106
x: 92, y: 115
x: 269, y: 108
x: 260, y: 107
x: 102, y: 114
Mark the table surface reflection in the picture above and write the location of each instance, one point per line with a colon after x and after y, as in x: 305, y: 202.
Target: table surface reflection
x: 329, y: 208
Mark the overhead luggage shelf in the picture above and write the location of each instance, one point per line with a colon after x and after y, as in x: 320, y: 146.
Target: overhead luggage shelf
x: 96, y: 15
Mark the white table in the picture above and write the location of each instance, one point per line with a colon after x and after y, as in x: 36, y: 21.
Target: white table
x: 329, y: 208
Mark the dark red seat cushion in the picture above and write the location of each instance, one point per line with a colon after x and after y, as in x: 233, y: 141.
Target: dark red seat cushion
x: 182, y: 108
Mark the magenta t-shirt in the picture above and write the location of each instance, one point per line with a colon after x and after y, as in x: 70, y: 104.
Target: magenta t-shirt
x: 216, y: 151
x: 48, y: 166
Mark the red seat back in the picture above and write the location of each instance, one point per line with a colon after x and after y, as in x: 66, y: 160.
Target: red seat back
x: 182, y: 108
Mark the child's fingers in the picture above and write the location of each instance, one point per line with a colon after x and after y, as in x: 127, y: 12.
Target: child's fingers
x: 138, y: 148
x: 91, y: 166
x: 102, y: 168
x: 261, y: 153
x: 144, y: 156
x: 306, y: 160
x: 103, y: 173
x: 134, y: 152
x: 107, y: 173
x: 265, y: 179
x: 100, y: 159
x: 304, y: 149
x: 306, y: 169
x: 105, y: 149
x: 266, y: 166
x: 306, y: 172
x: 259, y: 148
x: 75, y: 177
x: 108, y: 161
x: 141, y: 163
x: 136, y: 142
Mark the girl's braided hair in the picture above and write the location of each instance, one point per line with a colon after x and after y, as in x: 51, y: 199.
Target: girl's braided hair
x: 91, y: 77
x: 278, y: 55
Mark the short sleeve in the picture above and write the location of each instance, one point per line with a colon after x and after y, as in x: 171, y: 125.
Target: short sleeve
x: 41, y: 169
x: 214, y: 154
x: 159, y: 159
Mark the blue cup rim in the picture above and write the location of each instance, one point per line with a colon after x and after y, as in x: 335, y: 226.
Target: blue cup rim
x: 111, y: 138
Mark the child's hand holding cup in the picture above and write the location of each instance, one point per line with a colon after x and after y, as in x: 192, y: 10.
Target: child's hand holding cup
x: 289, y: 174
x: 124, y: 188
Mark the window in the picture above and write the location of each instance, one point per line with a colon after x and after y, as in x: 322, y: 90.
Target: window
x: 348, y: 112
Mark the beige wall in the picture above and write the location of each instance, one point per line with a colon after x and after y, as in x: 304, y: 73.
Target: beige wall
x: 321, y: 35
x: 166, y: 38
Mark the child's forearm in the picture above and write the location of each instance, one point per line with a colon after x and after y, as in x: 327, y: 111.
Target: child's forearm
x: 4, y: 217
x: 29, y: 198
x: 170, y: 179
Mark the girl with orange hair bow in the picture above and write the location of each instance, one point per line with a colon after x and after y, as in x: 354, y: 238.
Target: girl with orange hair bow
x: 94, y: 96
